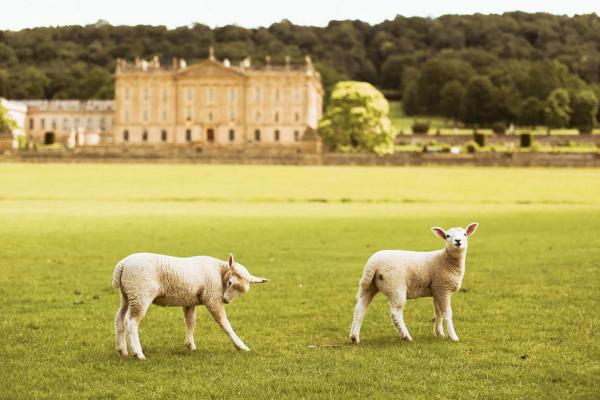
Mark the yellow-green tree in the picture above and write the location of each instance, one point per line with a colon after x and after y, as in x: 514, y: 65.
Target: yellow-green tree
x: 357, y: 117
x: 6, y: 123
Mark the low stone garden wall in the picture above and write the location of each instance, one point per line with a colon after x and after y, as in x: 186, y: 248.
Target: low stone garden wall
x: 460, y: 139
x: 296, y: 155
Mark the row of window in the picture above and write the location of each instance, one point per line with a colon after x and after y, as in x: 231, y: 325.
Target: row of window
x: 189, y: 93
x: 66, y: 123
x: 210, y: 135
x: 232, y: 116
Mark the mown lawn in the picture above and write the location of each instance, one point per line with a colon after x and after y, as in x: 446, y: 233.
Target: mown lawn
x: 527, y: 321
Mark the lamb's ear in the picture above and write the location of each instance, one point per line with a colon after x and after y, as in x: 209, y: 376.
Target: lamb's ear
x: 439, y: 232
x: 258, y: 279
x: 472, y: 228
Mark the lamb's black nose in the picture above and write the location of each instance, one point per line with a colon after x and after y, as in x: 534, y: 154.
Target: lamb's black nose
x: 457, y: 242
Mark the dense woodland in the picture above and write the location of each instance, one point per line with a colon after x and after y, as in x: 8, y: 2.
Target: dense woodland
x: 507, y: 65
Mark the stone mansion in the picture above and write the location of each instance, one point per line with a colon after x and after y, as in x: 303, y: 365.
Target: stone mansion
x: 211, y: 102
x: 215, y: 102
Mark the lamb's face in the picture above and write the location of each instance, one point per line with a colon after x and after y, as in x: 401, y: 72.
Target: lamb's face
x: 235, y: 287
x: 456, y: 238
x: 239, y: 281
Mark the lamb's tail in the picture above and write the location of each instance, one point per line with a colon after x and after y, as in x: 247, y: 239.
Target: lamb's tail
x: 367, y: 277
x: 116, y: 280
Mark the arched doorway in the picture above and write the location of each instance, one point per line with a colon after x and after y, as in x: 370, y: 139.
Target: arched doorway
x: 210, y: 135
x: 49, y: 138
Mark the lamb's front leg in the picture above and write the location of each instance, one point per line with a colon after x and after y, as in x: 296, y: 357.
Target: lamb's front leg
x: 217, y: 311
x: 443, y: 310
x: 449, y: 324
x: 189, y: 314
x: 439, y: 308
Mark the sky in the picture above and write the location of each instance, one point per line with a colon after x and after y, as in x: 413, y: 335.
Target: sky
x: 19, y: 14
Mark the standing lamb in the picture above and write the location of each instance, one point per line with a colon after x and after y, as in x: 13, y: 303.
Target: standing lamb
x: 146, y: 278
x: 402, y: 275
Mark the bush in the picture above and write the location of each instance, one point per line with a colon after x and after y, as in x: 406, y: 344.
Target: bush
x: 471, y: 147
x: 526, y: 139
x: 420, y: 128
x: 585, y: 130
x: 480, y: 139
x: 499, y: 128
x: 357, y: 116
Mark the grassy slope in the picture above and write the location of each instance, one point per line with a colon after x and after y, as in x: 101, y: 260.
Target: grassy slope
x: 532, y: 277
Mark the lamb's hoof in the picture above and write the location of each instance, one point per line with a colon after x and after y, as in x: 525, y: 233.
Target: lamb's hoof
x: 191, y: 346
x: 244, y: 348
x: 439, y: 335
x: 122, y: 352
x: 408, y: 338
x: 139, y: 356
x: 453, y: 338
x: 354, y: 339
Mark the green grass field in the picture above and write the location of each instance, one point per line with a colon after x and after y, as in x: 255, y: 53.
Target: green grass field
x: 528, y: 321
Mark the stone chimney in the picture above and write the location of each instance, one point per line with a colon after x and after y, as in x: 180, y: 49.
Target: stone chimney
x: 287, y: 62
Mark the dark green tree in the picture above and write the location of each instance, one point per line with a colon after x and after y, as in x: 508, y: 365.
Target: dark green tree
x: 479, y: 105
x: 531, y: 113
x: 410, y: 99
x: 451, y: 99
x: 585, y: 108
x: 557, y: 110
x: 434, y: 75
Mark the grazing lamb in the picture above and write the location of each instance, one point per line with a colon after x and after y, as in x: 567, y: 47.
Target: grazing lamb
x: 402, y: 275
x: 146, y: 278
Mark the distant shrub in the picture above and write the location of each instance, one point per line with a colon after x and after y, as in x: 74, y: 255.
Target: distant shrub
x: 471, y: 147
x: 480, y: 139
x: 585, y: 130
x: 420, y: 128
x: 526, y: 139
x: 499, y: 128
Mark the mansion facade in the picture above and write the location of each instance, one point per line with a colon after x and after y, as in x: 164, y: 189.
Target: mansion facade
x: 213, y: 102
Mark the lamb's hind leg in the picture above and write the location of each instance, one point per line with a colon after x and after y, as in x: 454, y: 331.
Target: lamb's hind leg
x: 120, y: 325
x: 364, y: 298
x: 190, y: 321
x: 397, y: 302
x: 135, y: 313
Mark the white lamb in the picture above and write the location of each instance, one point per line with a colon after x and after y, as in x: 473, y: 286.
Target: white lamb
x: 402, y: 275
x: 146, y: 278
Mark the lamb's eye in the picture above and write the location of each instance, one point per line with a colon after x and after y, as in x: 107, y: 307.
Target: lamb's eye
x: 447, y: 236
x: 465, y: 235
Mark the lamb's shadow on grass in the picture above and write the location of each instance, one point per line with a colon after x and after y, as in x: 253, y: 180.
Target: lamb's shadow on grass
x: 380, y: 342
x: 386, y: 341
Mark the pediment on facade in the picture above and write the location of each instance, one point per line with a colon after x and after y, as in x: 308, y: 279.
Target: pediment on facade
x: 209, y: 69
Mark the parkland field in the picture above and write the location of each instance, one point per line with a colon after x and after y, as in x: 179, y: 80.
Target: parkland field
x: 527, y: 316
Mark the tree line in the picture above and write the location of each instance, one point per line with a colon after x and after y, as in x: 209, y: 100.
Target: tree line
x: 510, y: 62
